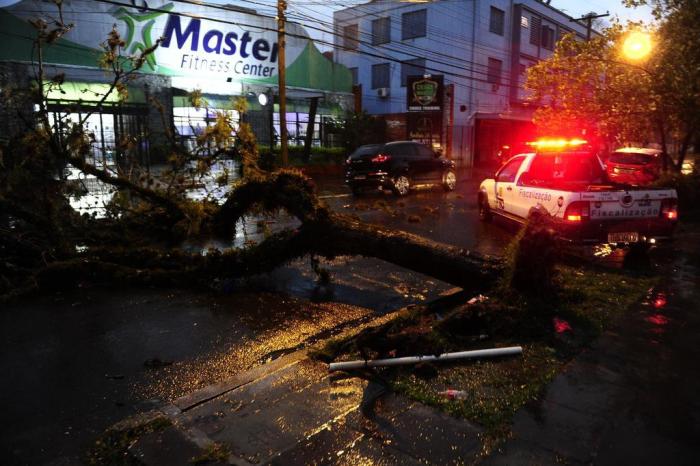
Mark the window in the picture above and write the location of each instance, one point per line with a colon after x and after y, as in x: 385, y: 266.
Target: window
x: 413, y: 24
x: 414, y: 67
x: 509, y: 170
x: 547, y: 37
x: 380, y: 75
x: 522, y: 71
x: 562, y: 33
x: 424, y: 152
x: 524, y: 22
x: 497, y: 21
x: 381, y: 31
x: 401, y: 150
x: 536, y: 24
x: 350, y: 37
x: 353, y: 73
x: 494, y: 71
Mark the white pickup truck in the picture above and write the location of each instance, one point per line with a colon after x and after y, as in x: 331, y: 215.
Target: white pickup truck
x: 570, y: 186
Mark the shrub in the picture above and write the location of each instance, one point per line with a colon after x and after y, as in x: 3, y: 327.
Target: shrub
x: 271, y: 158
x: 687, y: 187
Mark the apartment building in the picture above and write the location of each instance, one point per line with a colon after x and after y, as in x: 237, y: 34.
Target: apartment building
x: 480, y: 49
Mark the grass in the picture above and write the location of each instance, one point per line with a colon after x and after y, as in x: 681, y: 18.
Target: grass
x: 215, y: 452
x: 587, y: 301
x: 112, y: 446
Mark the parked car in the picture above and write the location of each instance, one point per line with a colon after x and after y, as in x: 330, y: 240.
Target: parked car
x: 634, y: 166
x: 398, y: 166
x: 566, y: 183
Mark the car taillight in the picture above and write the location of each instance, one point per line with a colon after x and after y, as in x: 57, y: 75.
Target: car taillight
x: 578, y: 211
x: 669, y: 209
x: 380, y: 158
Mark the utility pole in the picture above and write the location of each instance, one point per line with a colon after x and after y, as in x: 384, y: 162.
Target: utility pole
x: 281, y: 8
x: 589, y: 22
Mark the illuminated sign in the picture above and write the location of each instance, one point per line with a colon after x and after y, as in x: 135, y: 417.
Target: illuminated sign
x: 198, y: 42
x: 424, y: 93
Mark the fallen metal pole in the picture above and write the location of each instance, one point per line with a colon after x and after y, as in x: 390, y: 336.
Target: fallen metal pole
x: 484, y: 353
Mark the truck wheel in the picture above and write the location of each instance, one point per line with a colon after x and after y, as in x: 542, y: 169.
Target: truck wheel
x: 402, y: 185
x: 449, y: 180
x: 484, y: 209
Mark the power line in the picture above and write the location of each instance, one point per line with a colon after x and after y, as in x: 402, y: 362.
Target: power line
x: 305, y: 37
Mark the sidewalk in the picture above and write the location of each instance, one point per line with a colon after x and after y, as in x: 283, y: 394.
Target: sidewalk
x: 633, y: 397
x: 630, y: 399
x: 295, y: 413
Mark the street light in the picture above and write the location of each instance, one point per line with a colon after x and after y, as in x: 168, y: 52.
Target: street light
x: 637, y: 45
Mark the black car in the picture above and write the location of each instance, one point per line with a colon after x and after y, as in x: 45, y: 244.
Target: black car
x: 398, y: 166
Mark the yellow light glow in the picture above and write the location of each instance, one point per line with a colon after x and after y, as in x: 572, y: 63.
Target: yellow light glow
x: 637, y: 45
x: 556, y: 143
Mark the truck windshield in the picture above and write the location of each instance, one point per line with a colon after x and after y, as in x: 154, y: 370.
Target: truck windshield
x: 565, y: 168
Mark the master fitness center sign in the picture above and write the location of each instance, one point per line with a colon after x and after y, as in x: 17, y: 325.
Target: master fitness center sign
x: 229, y: 43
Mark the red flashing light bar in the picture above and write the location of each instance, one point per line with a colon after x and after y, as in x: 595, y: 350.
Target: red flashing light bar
x: 556, y: 143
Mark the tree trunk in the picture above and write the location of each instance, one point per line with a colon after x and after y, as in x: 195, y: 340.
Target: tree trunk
x: 310, y: 128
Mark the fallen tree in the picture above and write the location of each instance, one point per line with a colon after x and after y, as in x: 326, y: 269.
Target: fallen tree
x: 45, y: 244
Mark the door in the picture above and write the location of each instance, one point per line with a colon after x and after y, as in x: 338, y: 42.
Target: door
x: 429, y: 163
x: 505, y: 192
x: 403, y: 156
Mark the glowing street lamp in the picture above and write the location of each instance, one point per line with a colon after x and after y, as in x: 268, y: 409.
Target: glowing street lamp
x: 637, y: 45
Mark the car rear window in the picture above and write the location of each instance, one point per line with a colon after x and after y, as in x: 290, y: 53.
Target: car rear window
x: 369, y: 149
x: 630, y: 158
x: 563, y: 167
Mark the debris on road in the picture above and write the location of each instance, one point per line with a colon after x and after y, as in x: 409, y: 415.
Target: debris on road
x: 360, y: 364
x: 454, y: 394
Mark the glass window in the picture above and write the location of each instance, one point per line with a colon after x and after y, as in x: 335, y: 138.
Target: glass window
x: 535, y: 30
x: 494, y: 71
x: 524, y: 22
x: 381, y: 31
x: 509, y: 170
x: 402, y: 150
x: 556, y: 168
x: 414, y: 67
x: 414, y: 24
x: 497, y: 21
x: 424, y: 152
x: 547, y: 37
x: 380, y: 75
x: 631, y: 158
x: 350, y: 37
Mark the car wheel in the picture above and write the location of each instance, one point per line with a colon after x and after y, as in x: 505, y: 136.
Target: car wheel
x: 449, y: 180
x: 402, y: 185
x: 484, y: 209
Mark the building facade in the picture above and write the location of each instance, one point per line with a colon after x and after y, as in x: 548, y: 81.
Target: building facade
x: 224, y: 52
x: 480, y: 48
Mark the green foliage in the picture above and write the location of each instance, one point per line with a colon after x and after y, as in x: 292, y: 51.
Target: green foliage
x: 112, y: 447
x: 271, y: 159
x: 590, y: 85
x: 688, y: 189
x: 358, y: 129
x: 531, y: 258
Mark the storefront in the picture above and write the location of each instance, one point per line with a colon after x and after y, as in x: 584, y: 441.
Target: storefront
x: 224, y: 53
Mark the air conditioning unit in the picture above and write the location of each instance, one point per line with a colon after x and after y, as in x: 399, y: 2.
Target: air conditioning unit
x: 383, y: 92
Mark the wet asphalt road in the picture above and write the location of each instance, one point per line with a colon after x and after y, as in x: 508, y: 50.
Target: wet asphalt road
x: 76, y: 362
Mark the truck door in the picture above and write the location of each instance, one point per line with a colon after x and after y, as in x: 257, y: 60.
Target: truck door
x: 505, y: 185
